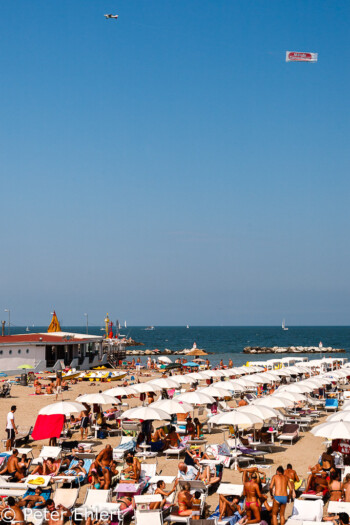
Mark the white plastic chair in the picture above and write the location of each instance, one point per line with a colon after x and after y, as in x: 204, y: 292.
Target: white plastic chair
x: 306, y: 510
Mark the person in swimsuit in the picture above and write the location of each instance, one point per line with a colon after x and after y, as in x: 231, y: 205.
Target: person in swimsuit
x: 198, y: 432
x: 318, y: 483
x: 34, y: 500
x: 136, y: 462
x: 346, y: 488
x: 84, y: 424
x: 57, y: 515
x: 125, y: 502
x: 196, y: 505
x: 252, y: 493
x: 11, y: 513
x: 335, y: 487
x: 326, y: 462
x: 185, y: 501
x: 172, y: 439
x: 12, y: 468
x: 161, y: 490
x: 279, y: 491
x: 294, y: 478
x: 103, y: 460
x: 130, y: 473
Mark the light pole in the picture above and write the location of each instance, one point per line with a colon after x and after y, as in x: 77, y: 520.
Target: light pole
x: 9, y: 312
x: 87, y: 323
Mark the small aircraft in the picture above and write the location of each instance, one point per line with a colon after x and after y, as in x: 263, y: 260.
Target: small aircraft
x: 111, y: 16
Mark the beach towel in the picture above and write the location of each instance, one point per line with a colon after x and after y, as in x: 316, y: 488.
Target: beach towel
x: 221, y: 453
x: 47, y: 427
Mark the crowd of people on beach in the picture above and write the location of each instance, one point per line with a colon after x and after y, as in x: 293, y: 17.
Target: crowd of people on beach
x: 262, y: 500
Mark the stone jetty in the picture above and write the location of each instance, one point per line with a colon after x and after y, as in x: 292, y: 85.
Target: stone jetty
x: 291, y: 350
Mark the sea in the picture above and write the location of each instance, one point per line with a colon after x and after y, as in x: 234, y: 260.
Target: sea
x: 225, y: 342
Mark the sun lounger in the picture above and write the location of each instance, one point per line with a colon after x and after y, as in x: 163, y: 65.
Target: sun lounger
x: 130, y: 427
x: 66, y: 497
x: 334, y: 507
x: 47, y: 452
x: 23, y: 435
x: 331, y: 404
x: 230, y: 489
x: 195, y: 485
x: 291, y: 521
x: 78, y: 478
x: 177, y: 451
x: 290, y: 432
x: 307, y: 510
x: 44, y: 493
x: 127, y: 443
x: 246, y: 451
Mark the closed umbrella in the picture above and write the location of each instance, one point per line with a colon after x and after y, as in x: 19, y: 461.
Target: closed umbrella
x: 196, y: 398
x: 171, y: 406
x: 146, y: 414
x: 332, y: 430
x: 62, y: 407
x: 98, y: 399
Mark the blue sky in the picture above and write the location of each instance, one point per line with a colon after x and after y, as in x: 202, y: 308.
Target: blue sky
x: 170, y: 167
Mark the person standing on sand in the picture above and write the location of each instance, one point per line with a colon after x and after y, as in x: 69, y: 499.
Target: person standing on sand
x: 58, y: 385
x: 11, y: 429
x: 279, y: 491
x: 252, y: 493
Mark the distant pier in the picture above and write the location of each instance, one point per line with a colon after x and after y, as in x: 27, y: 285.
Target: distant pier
x: 292, y: 350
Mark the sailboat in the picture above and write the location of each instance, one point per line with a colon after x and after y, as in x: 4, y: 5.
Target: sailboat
x: 284, y: 325
x: 27, y: 329
x: 125, y: 324
x: 187, y: 326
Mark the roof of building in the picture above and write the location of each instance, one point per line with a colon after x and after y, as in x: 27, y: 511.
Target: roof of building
x: 52, y: 337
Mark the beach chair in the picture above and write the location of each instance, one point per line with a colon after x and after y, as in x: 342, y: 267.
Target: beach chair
x: 127, y: 443
x: 94, y: 499
x: 331, y: 404
x: 145, y: 516
x: 290, y: 432
x: 246, y: 451
x: 78, y: 479
x: 177, y: 451
x: 334, y: 507
x: 307, y: 510
x: 130, y: 427
x: 22, y: 436
x: 66, y: 497
x: 196, y: 485
x: 46, y: 494
x: 47, y: 452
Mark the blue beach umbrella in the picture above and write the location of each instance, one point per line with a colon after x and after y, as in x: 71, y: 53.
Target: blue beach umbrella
x: 190, y: 363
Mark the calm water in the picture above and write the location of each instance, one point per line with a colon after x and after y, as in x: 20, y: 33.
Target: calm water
x: 226, y: 341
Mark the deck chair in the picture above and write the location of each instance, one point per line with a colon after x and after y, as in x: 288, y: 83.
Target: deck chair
x: 47, y: 452
x: 308, y: 510
x: 246, y: 451
x: 148, y: 470
x: 66, y: 497
x: 22, y: 436
x: 331, y: 404
x: 126, y: 443
x: 80, y: 478
x: 177, y: 451
x: 46, y: 494
x: 290, y: 431
x: 130, y: 427
x: 334, y: 507
x: 144, y: 517
x: 94, y: 499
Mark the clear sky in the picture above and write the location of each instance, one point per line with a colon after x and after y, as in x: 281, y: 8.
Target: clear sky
x: 170, y: 167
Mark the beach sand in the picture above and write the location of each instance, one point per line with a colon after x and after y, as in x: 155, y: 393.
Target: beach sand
x: 303, y: 453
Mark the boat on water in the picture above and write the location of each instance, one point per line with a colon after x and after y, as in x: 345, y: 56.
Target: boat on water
x: 187, y: 326
x: 27, y: 329
x: 148, y: 328
x: 284, y: 325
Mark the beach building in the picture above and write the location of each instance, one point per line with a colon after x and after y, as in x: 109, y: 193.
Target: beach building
x: 43, y: 351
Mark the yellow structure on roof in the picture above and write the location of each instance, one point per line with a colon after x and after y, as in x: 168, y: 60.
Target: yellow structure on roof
x: 55, y: 324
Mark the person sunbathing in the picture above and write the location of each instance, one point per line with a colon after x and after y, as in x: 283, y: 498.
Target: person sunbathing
x: 228, y: 506
x: 135, y: 460
x: 317, y: 484
x: 34, y: 500
x: 77, y: 469
x: 326, y: 462
x: 13, y: 468
x: 125, y: 502
x: 346, y: 488
x: 49, y: 388
x: 335, y: 487
x: 190, y: 428
x: 38, y: 391
x: 184, y: 500
x: 161, y: 490
x: 103, y: 460
x: 172, y: 439
x: 129, y: 473
x: 252, y: 493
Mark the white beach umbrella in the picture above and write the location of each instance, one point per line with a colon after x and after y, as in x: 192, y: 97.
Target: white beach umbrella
x: 232, y: 385
x: 182, y: 380
x: 292, y: 396
x: 147, y: 413
x: 214, y: 391
x: 195, y: 376
x: 171, y: 406
x: 261, y: 411
x: 196, y: 398
x: 120, y: 391
x: 237, y: 418
x: 62, y: 407
x: 164, y: 359
x: 258, y: 379
x: 274, y: 402
x: 340, y: 374
x: 342, y: 415
x: 228, y: 372
x: 245, y: 382
x: 281, y: 372
x: 332, y: 430
x: 346, y: 405
x: 143, y: 388
x: 205, y: 374
x: 296, y: 387
x: 98, y: 399
x: 269, y: 376
x: 212, y: 373
x: 164, y: 383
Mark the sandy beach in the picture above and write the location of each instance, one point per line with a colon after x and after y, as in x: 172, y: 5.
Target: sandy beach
x: 303, y: 453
